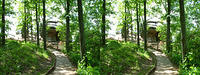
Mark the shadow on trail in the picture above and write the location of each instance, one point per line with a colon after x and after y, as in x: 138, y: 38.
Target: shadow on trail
x: 63, y: 65
x: 164, y: 65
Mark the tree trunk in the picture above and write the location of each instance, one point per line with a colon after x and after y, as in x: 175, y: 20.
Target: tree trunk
x: 125, y: 25
x: 81, y: 30
x: 128, y: 24
x: 138, y: 26
x: 44, y: 25
x: 104, y: 23
x: 38, y: 33
x: 25, y: 23
x: 3, y: 24
x: 183, y: 29
x: 68, y: 27
x: 31, y: 28
x: 131, y: 28
x: 168, y: 47
x: 145, y: 27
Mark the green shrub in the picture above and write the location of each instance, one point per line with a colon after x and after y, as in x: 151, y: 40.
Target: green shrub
x: 89, y: 70
x: 191, y: 65
x: 74, y: 56
x: 175, y: 57
x: 17, y: 58
x: 113, y: 45
x: 192, y: 70
x: 116, y: 60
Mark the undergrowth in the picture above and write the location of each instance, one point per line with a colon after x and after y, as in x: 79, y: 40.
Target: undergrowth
x: 19, y: 58
x: 191, y: 63
x: 116, y: 58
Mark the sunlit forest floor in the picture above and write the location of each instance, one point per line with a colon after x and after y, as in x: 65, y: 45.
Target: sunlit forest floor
x: 19, y: 58
x: 63, y: 65
x: 164, y: 66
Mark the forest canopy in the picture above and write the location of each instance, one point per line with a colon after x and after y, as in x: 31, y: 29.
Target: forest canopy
x: 100, y: 36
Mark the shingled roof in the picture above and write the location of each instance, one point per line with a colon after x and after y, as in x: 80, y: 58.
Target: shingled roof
x: 153, y: 24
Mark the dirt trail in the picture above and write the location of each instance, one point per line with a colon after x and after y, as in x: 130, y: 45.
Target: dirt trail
x: 63, y: 65
x: 164, y: 66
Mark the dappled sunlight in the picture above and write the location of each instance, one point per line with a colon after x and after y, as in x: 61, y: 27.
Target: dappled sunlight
x: 63, y: 65
x: 63, y: 72
x: 100, y: 37
x: 157, y: 53
x: 166, y: 72
x: 58, y: 53
x: 164, y: 66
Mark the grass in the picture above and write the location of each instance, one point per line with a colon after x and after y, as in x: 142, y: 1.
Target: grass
x: 144, y: 55
x: 125, y: 58
x: 23, y: 58
x: 117, y: 58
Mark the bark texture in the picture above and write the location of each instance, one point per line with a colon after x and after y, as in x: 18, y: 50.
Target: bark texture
x: 183, y: 28
x: 44, y: 24
x: 145, y: 26
x: 3, y: 24
x: 138, y: 26
x: 81, y: 30
x: 38, y: 39
x: 68, y: 27
x: 104, y: 23
x: 168, y: 47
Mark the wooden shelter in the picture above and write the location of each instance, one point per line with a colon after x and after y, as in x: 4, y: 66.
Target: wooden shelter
x: 52, y: 34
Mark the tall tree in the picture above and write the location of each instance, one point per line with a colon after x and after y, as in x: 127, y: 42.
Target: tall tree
x: 31, y: 25
x: 138, y: 26
x: 68, y: 26
x: 36, y: 9
x: 44, y: 24
x: 131, y: 27
x: 183, y: 28
x: 168, y: 47
x: 25, y: 21
x: 103, y: 30
x: 3, y: 24
x: 81, y: 30
x: 125, y: 24
x: 145, y: 26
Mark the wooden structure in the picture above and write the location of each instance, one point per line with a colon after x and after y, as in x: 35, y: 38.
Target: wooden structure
x: 152, y: 34
x: 52, y: 34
